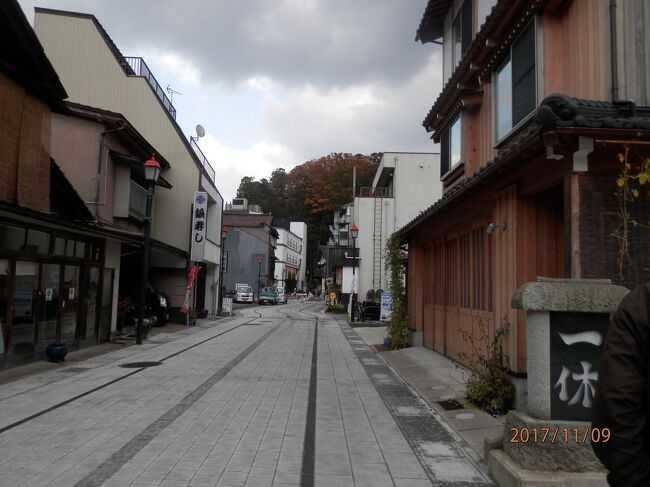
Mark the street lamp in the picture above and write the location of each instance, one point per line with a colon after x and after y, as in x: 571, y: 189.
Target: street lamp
x: 224, y: 232
x: 151, y: 173
x: 354, y: 231
x: 259, y: 275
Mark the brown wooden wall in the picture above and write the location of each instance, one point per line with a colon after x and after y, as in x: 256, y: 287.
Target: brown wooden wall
x: 576, y: 52
x: 24, y: 147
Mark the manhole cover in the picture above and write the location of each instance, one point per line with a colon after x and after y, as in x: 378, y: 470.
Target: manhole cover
x: 73, y: 370
x: 450, y: 405
x: 139, y: 365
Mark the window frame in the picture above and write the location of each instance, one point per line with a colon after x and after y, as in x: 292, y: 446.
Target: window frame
x: 446, y: 147
x: 459, y: 32
x: 498, y: 140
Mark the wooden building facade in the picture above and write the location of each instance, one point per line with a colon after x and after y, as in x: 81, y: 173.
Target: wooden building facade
x: 531, y: 128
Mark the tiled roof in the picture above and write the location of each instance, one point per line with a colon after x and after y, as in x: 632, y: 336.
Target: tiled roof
x: 558, y: 110
x: 480, y: 55
x: 527, y: 136
x: 555, y: 111
x: 432, y: 21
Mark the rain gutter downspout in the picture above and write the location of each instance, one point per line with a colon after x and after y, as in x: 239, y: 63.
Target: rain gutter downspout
x: 99, y: 167
x: 613, y: 49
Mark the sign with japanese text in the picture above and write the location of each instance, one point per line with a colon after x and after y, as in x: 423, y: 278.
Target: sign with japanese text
x: 199, y: 220
x: 576, y: 344
x: 386, y: 306
x: 226, y: 305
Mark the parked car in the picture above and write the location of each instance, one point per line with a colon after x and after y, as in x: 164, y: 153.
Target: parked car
x: 281, y: 296
x: 268, y: 295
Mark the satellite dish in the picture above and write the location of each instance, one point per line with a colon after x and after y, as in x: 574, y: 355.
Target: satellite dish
x: 200, y: 131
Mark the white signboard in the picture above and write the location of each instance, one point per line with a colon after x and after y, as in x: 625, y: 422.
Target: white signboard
x: 226, y: 305
x: 71, y: 294
x: 199, y: 219
x: 49, y: 292
x: 386, y: 306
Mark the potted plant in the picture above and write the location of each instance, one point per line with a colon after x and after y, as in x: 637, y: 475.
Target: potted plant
x: 56, y: 352
x: 146, y: 328
x: 124, y: 309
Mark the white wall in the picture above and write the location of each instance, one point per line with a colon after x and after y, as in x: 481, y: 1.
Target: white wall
x: 300, y: 229
x: 416, y: 184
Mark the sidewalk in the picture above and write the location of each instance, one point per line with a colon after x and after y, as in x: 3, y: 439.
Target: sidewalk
x: 159, y: 334
x: 440, y: 382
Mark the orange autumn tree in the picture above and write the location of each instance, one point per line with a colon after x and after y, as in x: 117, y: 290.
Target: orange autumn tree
x: 312, y: 191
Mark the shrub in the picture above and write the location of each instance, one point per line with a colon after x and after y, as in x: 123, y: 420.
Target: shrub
x: 490, y: 387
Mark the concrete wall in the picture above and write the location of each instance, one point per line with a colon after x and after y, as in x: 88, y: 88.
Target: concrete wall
x: 243, y: 247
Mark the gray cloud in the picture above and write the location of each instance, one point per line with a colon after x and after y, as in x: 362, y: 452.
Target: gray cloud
x: 321, y: 42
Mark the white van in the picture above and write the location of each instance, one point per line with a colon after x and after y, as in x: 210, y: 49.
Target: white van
x: 244, y: 293
x: 281, y: 297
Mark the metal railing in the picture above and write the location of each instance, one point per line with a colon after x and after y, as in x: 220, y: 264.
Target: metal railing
x: 366, y: 192
x: 137, y: 200
x: 135, y: 66
x: 203, y: 159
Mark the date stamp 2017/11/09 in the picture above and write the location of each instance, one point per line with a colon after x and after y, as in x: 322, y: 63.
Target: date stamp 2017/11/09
x: 557, y: 435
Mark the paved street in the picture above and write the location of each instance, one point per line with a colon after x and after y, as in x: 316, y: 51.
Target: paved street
x: 282, y: 395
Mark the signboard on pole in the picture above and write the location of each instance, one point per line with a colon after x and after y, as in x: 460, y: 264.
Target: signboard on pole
x: 199, y: 219
x: 386, y: 306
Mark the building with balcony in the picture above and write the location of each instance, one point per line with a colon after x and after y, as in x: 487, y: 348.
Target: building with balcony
x: 535, y: 129
x: 96, y: 74
x: 290, y: 251
x: 405, y: 184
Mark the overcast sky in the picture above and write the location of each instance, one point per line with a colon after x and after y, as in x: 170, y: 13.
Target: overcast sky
x: 278, y: 82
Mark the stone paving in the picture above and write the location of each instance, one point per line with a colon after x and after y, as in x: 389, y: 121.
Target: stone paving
x: 277, y: 396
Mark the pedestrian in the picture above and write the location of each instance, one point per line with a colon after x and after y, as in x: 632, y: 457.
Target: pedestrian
x: 621, y: 403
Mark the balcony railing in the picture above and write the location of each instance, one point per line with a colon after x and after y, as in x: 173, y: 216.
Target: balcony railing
x: 365, y: 192
x: 137, y: 200
x: 135, y: 66
x: 203, y: 159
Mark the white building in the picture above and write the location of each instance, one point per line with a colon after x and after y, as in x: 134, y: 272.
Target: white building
x: 300, y: 230
x: 288, y: 253
x: 405, y: 184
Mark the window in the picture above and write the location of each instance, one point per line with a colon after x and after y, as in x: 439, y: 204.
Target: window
x: 516, y: 89
x: 462, y: 32
x: 450, y: 147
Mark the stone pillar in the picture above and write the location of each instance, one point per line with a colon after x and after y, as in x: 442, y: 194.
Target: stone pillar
x: 566, y: 325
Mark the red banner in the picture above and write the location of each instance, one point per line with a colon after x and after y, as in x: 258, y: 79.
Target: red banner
x: 192, y: 274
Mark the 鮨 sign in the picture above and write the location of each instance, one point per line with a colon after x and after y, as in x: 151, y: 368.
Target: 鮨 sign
x: 199, y: 219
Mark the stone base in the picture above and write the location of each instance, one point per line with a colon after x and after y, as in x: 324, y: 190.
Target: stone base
x: 549, y: 445
x: 415, y: 338
x: 506, y: 473
x: 540, y: 463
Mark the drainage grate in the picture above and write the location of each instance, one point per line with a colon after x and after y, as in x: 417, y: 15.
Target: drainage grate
x: 73, y: 370
x: 450, y: 404
x: 140, y: 365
